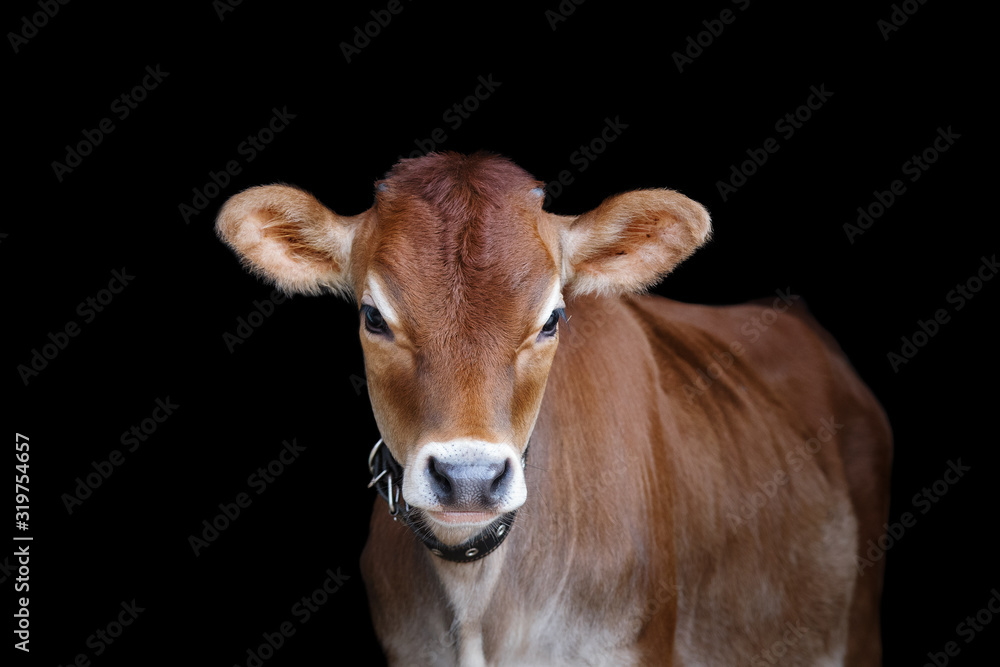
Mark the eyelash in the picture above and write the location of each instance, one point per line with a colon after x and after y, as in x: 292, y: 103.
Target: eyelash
x: 553, y: 322
x: 373, y: 320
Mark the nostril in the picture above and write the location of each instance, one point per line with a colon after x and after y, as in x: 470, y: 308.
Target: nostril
x: 438, y: 475
x: 499, y: 479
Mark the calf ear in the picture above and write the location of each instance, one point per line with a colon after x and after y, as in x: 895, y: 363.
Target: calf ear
x: 630, y: 241
x: 286, y: 236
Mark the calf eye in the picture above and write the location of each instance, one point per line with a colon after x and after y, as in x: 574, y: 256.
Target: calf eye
x: 374, y: 322
x: 552, y: 324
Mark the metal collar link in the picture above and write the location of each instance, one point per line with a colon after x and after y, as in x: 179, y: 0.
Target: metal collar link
x: 387, y: 478
x: 389, y: 469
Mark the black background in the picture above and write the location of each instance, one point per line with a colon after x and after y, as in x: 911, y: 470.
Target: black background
x: 162, y: 336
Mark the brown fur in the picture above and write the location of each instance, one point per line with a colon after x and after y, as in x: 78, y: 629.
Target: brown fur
x: 626, y: 550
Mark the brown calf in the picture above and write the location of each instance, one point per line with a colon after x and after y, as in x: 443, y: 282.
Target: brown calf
x: 690, y: 497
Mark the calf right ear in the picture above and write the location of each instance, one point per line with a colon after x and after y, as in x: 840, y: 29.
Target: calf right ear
x: 630, y: 241
x: 289, y: 238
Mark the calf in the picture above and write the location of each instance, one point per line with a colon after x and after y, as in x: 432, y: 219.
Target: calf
x: 662, y: 490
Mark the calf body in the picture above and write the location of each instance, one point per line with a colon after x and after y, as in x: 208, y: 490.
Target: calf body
x: 684, y: 494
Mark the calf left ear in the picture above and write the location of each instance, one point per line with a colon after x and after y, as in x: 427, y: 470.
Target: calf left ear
x: 288, y: 237
x: 630, y: 241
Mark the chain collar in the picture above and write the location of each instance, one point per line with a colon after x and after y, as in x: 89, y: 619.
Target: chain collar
x: 387, y: 478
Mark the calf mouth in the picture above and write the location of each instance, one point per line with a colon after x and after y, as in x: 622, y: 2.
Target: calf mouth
x: 462, y: 517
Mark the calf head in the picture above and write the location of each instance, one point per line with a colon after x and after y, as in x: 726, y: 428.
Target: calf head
x: 460, y: 277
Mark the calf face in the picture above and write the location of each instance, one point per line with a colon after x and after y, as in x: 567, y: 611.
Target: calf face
x: 460, y: 278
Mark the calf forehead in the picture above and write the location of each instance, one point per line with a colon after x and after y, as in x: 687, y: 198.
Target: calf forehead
x: 457, y: 245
